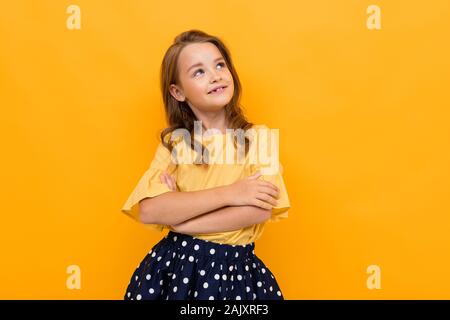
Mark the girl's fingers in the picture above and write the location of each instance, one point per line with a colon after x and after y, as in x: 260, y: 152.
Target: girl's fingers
x: 163, y: 178
x: 169, y: 182
x: 262, y: 204
x: 256, y: 175
x: 266, y: 198
x: 172, y: 182
x: 264, y: 183
x: 270, y: 191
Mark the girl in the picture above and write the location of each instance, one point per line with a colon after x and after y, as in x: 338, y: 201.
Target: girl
x: 214, y: 211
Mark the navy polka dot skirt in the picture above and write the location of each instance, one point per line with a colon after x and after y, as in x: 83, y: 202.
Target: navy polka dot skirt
x: 182, y: 267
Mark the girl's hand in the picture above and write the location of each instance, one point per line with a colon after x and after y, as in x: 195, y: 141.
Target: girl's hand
x: 168, y: 180
x: 254, y: 192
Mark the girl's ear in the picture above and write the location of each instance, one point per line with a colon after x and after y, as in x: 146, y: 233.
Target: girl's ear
x: 177, y: 92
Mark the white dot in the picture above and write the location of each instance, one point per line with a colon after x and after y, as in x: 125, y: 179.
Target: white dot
x: 212, y: 264
x: 254, y: 265
x: 216, y: 276
x: 230, y: 268
x: 211, y: 298
x: 191, y: 258
x: 271, y: 288
x: 205, y: 285
x: 212, y: 251
x: 259, y: 284
x: 279, y: 293
x: 159, y: 258
x: 247, y: 288
x: 238, y: 298
x: 202, y: 272
x: 161, y: 282
x: 195, y: 294
x: 246, y: 268
x: 196, y: 247
x: 136, y: 278
x: 237, y: 254
x: 153, y: 254
x: 254, y: 296
x: 185, y: 280
x: 138, y: 297
x: 265, y: 291
x: 224, y: 277
x: 239, y: 277
x: 174, y: 276
x: 167, y: 263
x: 263, y: 270
x: 148, y: 277
x: 231, y: 278
x: 128, y: 294
x: 173, y: 256
x: 151, y: 290
x: 182, y: 257
x: 220, y: 288
x: 184, y: 243
x: 175, y: 289
x: 175, y: 238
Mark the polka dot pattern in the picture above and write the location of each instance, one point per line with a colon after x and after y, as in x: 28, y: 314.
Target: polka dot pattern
x: 182, y: 267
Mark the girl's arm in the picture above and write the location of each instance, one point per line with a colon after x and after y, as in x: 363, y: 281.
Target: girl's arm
x: 223, y: 220
x: 172, y: 208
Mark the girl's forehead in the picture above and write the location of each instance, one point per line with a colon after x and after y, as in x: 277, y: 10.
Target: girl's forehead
x: 198, y: 52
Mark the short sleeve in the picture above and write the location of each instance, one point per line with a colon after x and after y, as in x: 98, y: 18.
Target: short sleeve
x: 267, y: 162
x: 150, y: 185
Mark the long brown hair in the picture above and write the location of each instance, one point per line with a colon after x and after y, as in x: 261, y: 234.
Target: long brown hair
x: 178, y: 114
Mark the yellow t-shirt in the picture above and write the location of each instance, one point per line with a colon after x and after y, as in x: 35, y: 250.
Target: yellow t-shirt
x: 192, y: 177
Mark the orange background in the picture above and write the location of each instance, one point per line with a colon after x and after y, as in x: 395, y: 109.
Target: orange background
x: 364, y: 139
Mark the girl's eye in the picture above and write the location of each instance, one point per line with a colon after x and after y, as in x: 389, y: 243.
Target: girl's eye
x: 220, y: 63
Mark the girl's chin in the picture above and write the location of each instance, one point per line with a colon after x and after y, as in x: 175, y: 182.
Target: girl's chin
x: 220, y: 99
x: 216, y: 101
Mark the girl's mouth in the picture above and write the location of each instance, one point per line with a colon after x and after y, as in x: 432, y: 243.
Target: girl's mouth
x: 218, y: 91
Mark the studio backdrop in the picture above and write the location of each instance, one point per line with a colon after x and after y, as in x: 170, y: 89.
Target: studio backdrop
x: 358, y: 90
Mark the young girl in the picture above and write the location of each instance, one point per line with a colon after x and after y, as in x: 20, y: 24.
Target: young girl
x: 214, y: 211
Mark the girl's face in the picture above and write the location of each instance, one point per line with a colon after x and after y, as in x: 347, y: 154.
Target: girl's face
x: 201, y: 69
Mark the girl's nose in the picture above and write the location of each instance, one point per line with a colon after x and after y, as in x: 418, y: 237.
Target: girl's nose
x: 216, y: 76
